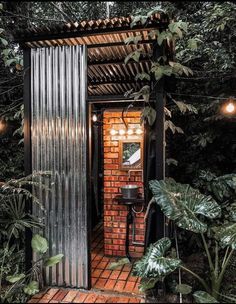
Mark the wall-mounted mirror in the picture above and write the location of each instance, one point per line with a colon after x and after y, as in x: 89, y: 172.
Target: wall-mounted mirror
x: 131, y: 154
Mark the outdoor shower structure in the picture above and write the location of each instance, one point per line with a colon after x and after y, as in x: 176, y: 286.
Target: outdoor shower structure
x: 69, y: 70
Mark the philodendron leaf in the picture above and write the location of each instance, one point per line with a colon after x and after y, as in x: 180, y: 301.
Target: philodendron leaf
x: 153, y: 264
x: 203, y: 297
x: 32, y: 288
x: 39, y: 244
x: 183, y: 288
x: 53, y: 260
x: 146, y: 284
x: 183, y: 204
x: 115, y: 265
x: 15, y: 278
x: 226, y: 234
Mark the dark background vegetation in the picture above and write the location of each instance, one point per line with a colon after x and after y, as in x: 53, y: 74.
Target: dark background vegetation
x: 208, y: 141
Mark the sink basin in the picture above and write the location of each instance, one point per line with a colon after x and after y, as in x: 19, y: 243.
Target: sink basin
x: 129, y: 191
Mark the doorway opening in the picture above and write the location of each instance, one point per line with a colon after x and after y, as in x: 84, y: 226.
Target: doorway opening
x: 117, y: 223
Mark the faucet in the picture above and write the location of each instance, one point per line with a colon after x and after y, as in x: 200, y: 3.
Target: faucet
x: 135, y: 170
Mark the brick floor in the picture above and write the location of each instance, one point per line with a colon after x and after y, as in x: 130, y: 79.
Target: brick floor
x: 108, y: 286
x: 61, y: 295
x: 120, y: 279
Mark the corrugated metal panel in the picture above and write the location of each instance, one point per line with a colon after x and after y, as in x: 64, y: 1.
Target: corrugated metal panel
x: 59, y: 144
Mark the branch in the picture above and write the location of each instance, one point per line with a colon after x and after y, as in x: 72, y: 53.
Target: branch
x: 66, y: 17
x: 25, y: 17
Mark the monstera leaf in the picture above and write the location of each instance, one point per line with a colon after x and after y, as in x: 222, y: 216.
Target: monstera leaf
x: 203, y: 297
x: 226, y: 234
x: 183, y: 204
x: 153, y: 264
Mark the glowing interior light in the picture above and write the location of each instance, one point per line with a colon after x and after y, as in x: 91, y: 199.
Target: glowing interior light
x: 139, y: 131
x: 113, y: 132
x: 230, y: 108
x: 122, y: 132
x: 3, y: 126
x: 94, y: 118
x: 130, y: 132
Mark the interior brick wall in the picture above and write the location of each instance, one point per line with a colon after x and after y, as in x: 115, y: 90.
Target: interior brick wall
x: 114, y: 178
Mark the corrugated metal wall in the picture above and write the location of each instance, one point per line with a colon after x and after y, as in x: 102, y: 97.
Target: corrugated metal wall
x: 59, y: 144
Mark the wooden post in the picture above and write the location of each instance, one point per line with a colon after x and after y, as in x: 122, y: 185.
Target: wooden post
x: 27, y: 149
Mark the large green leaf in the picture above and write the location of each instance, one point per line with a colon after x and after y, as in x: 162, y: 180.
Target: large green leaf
x: 153, y: 264
x: 15, y: 278
x: 183, y: 204
x: 204, y: 297
x: 146, y: 284
x: 53, y: 260
x: 115, y: 265
x: 226, y: 234
x: 183, y: 288
x: 32, y: 288
x: 39, y: 244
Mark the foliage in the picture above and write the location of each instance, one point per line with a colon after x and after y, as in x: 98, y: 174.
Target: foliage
x: 160, y: 68
x: 183, y: 204
x: 153, y: 264
x: 189, y: 209
x: 204, y: 297
x: 14, y: 221
x: 29, y: 281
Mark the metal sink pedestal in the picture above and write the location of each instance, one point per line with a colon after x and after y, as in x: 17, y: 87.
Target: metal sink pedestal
x: 129, y: 202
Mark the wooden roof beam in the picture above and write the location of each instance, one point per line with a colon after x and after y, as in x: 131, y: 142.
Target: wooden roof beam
x: 116, y: 62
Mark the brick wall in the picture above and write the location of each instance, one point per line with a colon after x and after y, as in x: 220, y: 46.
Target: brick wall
x: 114, y: 178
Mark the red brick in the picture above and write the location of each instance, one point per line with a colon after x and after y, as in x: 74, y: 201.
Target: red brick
x: 70, y: 296
x: 124, y: 275
x: 60, y: 295
x: 101, y: 299
x: 80, y: 297
x: 105, y: 274
x: 119, y: 286
x: 114, y: 275
x: 50, y: 294
x: 129, y: 286
x: 96, y: 273
x: 91, y: 298
x: 100, y: 283
x: 111, y: 155
x: 110, y: 284
x: 102, y: 265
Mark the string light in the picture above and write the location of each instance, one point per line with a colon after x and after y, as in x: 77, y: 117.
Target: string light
x: 130, y: 132
x: 229, y: 107
x: 139, y: 131
x: 113, y: 132
x: 122, y: 132
x: 203, y: 96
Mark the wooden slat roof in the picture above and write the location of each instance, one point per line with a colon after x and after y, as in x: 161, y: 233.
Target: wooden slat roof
x: 107, y: 73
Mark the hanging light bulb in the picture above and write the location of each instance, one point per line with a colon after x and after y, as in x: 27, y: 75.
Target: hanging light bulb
x: 113, y: 132
x: 94, y: 118
x: 122, y: 132
x: 139, y: 131
x: 229, y: 107
x: 130, y: 132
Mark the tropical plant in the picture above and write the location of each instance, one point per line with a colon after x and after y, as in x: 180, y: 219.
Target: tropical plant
x: 191, y: 210
x: 161, y: 67
x: 30, y: 282
x: 14, y: 220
